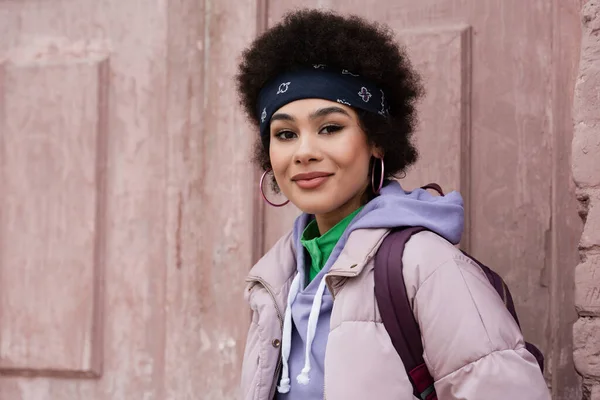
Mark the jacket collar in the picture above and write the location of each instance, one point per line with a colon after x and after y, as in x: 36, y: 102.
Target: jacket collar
x: 360, y: 248
x: 277, y: 266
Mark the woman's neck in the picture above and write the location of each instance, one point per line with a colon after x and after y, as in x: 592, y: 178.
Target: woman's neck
x: 328, y: 220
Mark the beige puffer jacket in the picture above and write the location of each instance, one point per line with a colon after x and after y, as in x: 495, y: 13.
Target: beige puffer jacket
x: 472, y: 346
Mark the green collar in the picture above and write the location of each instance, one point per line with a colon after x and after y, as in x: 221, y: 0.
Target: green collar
x: 320, y: 246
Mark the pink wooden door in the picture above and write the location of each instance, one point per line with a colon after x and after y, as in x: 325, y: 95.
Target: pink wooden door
x: 496, y: 125
x: 125, y: 199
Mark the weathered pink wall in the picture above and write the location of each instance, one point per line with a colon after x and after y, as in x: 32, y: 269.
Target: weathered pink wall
x: 586, y: 171
x: 126, y: 201
x: 129, y: 213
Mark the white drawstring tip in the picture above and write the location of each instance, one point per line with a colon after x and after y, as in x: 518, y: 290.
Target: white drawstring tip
x: 303, y: 378
x: 284, y: 385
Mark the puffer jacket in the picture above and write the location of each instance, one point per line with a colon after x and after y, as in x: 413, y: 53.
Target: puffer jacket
x: 472, y: 346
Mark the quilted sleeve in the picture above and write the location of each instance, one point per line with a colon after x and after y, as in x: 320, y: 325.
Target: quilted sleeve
x: 472, y: 346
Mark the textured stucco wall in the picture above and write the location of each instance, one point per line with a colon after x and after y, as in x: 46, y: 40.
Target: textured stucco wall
x: 586, y: 172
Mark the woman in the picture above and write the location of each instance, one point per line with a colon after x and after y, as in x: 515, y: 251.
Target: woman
x: 334, y: 101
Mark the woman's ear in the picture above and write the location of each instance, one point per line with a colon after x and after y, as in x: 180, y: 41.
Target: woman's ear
x: 377, y: 152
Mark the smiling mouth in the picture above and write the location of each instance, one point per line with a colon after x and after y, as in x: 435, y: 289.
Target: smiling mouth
x: 312, y: 182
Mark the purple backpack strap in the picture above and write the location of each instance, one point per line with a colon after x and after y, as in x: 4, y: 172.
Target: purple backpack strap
x: 434, y: 186
x: 396, y: 311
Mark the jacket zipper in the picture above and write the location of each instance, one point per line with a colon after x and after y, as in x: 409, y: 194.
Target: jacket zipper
x: 280, y: 317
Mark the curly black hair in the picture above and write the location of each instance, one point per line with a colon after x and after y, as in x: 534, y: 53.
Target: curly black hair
x: 369, y: 49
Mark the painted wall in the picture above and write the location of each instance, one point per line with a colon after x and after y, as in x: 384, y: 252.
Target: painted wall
x: 129, y: 212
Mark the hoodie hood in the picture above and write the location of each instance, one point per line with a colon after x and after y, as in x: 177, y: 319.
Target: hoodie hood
x: 308, y: 308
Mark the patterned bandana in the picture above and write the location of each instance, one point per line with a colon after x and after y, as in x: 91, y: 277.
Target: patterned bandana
x: 319, y: 82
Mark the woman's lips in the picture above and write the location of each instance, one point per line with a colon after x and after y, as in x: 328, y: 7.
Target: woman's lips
x: 311, y: 180
x: 312, y: 183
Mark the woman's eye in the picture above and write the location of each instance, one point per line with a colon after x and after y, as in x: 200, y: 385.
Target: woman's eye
x: 329, y: 129
x: 285, y: 135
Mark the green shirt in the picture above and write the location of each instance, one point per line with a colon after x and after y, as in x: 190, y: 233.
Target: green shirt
x: 320, y: 246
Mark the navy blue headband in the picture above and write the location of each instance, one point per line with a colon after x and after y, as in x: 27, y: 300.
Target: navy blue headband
x: 319, y: 82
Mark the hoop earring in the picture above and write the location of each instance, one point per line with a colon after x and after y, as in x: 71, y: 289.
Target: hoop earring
x: 376, y: 191
x: 260, y: 186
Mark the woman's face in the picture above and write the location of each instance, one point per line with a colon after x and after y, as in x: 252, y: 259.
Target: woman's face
x: 320, y: 155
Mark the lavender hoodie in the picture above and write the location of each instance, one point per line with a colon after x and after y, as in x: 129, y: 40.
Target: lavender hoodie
x: 392, y: 208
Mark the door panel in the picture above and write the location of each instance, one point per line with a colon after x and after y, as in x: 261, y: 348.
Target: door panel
x: 126, y: 211
x: 53, y: 201
x: 81, y: 245
x: 444, y: 137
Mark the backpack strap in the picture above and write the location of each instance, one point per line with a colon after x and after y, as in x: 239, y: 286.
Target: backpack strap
x: 396, y: 311
x: 434, y: 186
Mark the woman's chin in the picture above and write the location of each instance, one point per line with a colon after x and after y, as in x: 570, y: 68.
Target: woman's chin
x: 316, y: 206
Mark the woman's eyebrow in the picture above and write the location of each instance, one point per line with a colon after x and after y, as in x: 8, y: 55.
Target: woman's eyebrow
x: 328, y: 110
x: 282, y: 117
x: 321, y: 112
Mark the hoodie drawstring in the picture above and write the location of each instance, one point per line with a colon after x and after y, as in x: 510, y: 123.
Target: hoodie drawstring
x: 313, y: 318
x: 286, y: 342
